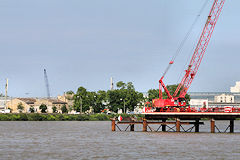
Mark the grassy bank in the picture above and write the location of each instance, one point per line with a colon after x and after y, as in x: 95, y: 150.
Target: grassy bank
x: 59, y: 117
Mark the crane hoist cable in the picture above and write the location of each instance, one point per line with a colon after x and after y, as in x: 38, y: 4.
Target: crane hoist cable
x: 179, y: 49
x: 188, y: 58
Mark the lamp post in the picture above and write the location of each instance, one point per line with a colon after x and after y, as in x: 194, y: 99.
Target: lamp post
x: 80, y: 103
x: 124, y: 111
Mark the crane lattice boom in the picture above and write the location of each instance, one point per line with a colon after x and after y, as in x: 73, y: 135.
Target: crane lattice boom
x: 200, y: 49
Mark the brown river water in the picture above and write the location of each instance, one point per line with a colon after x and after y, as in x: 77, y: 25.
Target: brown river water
x: 95, y: 140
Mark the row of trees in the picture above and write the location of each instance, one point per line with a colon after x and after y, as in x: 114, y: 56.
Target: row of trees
x: 125, y: 97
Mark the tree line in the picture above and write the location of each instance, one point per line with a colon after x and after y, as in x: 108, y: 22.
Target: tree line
x: 124, y: 97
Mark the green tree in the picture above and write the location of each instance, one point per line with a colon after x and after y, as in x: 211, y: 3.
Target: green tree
x: 121, y: 85
x: 100, y: 101
x: 114, y: 98
x: 31, y: 109
x: 70, y: 108
x: 43, y: 108
x: 125, y: 94
x: 81, y: 99
x: 64, y: 109
x: 20, y: 107
x: 54, y: 109
x: 69, y: 92
x: 153, y: 94
x: 69, y: 95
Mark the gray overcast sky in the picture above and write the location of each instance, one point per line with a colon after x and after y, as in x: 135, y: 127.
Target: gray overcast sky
x: 85, y: 42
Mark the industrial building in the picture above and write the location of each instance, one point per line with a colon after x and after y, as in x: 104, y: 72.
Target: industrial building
x: 217, y: 99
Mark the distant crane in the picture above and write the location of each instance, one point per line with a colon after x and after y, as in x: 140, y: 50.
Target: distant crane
x: 46, y: 83
x: 6, y: 92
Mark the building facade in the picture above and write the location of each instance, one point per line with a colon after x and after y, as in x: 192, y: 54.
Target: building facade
x: 224, y: 98
x: 34, y: 103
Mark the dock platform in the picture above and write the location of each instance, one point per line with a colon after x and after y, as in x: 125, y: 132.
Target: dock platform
x: 164, y: 119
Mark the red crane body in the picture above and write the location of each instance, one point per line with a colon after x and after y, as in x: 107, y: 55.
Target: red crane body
x: 178, y: 98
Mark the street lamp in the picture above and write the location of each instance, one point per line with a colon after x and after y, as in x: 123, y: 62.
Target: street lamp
x: 80, y: 103
x: 124, y: 111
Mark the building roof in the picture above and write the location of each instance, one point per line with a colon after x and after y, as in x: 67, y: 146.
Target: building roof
x: 56, y: 101
x: 33, y: 100
x: 28, y: 100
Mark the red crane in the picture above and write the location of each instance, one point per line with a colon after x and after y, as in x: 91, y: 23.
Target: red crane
x: 178, y: 98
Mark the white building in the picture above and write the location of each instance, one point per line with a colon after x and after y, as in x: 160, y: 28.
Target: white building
x: 199, y: 103
x: 224, y: 98
x: 236, y: 88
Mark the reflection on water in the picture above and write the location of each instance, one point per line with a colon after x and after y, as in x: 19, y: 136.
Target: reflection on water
x: 94, y: 140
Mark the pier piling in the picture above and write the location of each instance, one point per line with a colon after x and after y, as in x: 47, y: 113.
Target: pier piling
x: 163, y: 125
x: 113, y: 125
x: 196, y: 125
x: 231, y: 126
x: 212, y: 125
x: 178, y: 125
x: 145, y: 125
x: 132, y: 127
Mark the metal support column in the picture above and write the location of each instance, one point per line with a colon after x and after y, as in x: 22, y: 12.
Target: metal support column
x: 231, y: 126
x: 196, y: 125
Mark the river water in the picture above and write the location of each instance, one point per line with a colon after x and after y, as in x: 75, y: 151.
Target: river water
x: 94, y: 140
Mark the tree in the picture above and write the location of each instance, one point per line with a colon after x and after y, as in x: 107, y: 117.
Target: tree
x: 70, y: 108
x: 153, y: 94
x: 31, y: 109
x: 100, y: 101
x: 121, y: 85
x: 81, y: 99
x: 69, y: 92
x: 20, y: 107
x: 54, y: 109
x: 43, y: 108
x: 69, y: 95
x: 125, y: 95
x: 64, y: 109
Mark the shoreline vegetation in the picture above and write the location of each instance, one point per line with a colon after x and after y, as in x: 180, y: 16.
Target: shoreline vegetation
x: 61, y: 117
x: 67, y: 117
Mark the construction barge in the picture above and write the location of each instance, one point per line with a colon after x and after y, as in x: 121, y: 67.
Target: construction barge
x: 177, y: 120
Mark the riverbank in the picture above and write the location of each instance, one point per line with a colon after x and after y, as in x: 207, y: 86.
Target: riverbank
x: 60, y: 117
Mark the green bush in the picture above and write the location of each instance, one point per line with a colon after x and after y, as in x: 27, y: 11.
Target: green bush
x: 60, y: 117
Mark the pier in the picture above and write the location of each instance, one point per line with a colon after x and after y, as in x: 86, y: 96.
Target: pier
x: 177, y: 120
